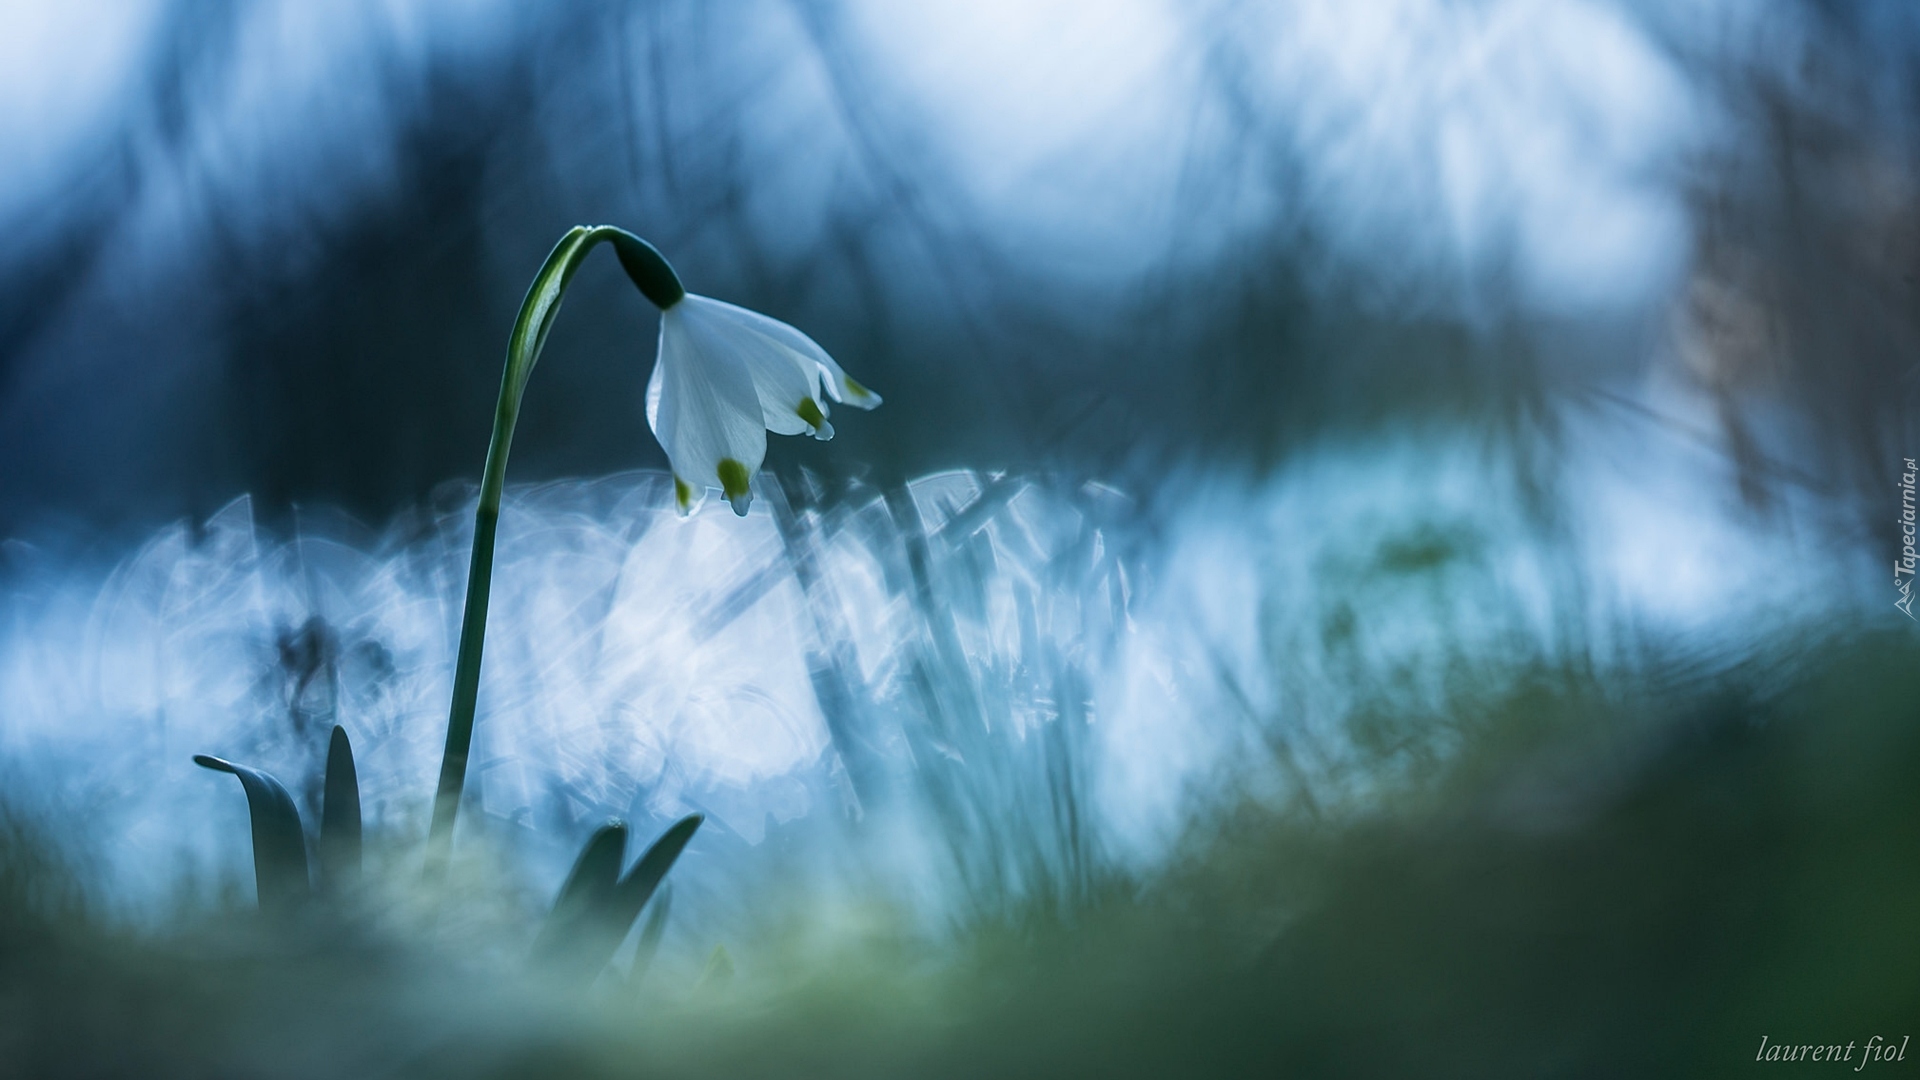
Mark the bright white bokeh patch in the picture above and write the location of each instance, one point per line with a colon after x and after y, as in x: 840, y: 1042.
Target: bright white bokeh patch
x: 985, y: 690
x: 63, y: 69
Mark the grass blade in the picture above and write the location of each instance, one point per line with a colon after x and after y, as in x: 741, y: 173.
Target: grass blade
x: 637, y: 887
x: 569, y: 940
x: 279, y: 847
x: 340, y: 839
x: 649, y: 944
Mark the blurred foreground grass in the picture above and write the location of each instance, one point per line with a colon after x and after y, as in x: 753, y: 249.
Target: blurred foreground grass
x: 1604, y: 880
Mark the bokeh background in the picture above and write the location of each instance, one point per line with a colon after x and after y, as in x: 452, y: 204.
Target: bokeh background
x: 1379, y: 540
x: 272, y: 249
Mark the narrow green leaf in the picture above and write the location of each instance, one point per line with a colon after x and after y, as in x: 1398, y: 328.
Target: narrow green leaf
x: 638, y: 886
x: 623, y: 905
x: 568, y: 940
x: 279, y: 848
x: 340, y: 838
x: 597, y: 907
x: 649, y: 944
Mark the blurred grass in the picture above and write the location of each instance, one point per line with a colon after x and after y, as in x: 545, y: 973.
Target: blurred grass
x: 1605, y: 880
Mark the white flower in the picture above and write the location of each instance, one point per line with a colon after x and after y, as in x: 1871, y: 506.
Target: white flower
x: 724, y: 378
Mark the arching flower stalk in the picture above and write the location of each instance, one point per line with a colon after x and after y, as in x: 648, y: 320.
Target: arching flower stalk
x: 724, y: 377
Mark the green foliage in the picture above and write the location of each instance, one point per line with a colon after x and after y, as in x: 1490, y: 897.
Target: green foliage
x: 634, y: 890
x: 340, y: 840
x: 596, y: 906
x: 1629, y: 879
x: 279, y: 847
x: 567, y: 939
x: 648, y: 946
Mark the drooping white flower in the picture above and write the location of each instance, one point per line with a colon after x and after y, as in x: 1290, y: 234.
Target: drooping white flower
x: 725, y: 377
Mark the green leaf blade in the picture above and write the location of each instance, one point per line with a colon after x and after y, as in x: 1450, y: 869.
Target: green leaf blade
x: 568, y: 942
x: 279, y: 846
x: 340, y: 829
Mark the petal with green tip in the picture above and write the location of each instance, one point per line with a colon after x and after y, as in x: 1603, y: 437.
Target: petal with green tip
x: 724, y: 378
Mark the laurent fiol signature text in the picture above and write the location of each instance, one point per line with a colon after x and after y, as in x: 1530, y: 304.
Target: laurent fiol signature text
x: 1905, y: 563
x: 1876, y: 1049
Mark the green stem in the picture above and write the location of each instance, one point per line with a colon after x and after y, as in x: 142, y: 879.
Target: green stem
x: 656, y: 280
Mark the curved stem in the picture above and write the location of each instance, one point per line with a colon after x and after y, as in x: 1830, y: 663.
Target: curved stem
x: 655, y: 279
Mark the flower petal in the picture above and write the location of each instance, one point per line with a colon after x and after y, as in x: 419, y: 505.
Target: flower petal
x: 787, y: 383
x: 839, y: 384
x: 702, y: 406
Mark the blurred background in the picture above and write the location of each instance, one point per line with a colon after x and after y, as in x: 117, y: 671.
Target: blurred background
x: 1312, y: 431
x: 274, y: 249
